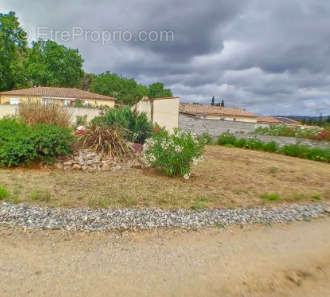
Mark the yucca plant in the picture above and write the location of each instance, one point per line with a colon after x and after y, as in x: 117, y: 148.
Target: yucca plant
x: 106, y: 140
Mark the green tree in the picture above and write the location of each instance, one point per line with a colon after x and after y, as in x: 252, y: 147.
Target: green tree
x: 156, y: 90
x: 51, y: 64
x: 12, y: 51
x: 126, y: 90
x: 87, y: 80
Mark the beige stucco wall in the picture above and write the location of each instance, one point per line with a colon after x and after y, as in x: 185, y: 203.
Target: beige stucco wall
x: 10, y: 110
x: 166, y: 113
x: 236, y: 118
x: 99, y: 102
x: 5, y: 99
x: 143, y: 106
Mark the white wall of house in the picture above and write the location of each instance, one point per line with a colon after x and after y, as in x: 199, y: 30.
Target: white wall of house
x: 232, y: 118
x: 166, y: 113
x: 144, y: 106
x: 163, y: 111
x: 10, y: 110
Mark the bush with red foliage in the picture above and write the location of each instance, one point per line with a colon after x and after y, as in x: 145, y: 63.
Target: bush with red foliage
x: 324, y: 134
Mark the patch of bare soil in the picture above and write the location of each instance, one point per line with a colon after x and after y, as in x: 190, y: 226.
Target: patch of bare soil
x: 277, y: 261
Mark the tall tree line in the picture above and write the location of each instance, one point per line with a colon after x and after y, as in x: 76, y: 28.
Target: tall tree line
x: 47, y: 63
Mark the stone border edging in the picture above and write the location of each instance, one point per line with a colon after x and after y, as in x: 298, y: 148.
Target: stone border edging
x: 88, y: 220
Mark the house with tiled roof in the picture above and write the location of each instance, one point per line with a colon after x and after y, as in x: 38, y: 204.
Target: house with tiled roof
x: 212, y: 112
x: 47, y: 95
x: 275, y: 120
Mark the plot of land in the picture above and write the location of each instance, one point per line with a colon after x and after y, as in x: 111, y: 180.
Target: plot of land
x: 229, y: 177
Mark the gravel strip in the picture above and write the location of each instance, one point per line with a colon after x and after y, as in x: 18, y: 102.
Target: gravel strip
x: 88, y: 220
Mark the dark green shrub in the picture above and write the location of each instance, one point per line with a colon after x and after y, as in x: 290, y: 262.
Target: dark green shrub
x: 137, y: 124
x: 303, y: 151
x: 206, y: 138
x: 20, y: 144
x: 271, y: 147
x: 16, y: 146
x: 174, y: 153
x: 254, y: 144
x: 226, y: 138
x: 241, y: 142
x: 51, y: 141
x: 294, y: 150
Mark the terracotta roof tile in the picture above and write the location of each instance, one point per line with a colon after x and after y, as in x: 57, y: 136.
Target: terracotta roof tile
x: 268, y: 120
x: 201, y: 109
x: 57, y: 92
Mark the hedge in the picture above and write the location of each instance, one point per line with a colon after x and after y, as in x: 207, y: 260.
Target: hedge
x: 294, y: 150
x: 21, y: 144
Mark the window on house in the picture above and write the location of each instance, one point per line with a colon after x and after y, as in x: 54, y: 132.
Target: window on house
x: 14, y: 101
x: 47, y: 101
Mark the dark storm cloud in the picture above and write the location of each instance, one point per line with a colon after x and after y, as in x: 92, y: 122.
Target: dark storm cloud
x: 266, y: 56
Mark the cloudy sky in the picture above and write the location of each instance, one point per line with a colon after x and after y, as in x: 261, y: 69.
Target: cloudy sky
x: 270, y: 57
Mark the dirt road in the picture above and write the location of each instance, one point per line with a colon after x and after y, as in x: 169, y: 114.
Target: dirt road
x: 279, y: 260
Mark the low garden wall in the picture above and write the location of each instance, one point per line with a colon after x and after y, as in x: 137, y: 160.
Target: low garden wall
x: 8, y: 110
x: 214, y: 127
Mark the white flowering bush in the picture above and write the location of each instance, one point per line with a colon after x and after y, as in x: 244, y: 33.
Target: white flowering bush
x: 174, y: 153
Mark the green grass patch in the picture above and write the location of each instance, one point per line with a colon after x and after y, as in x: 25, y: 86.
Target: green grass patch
x: 98, y: 202
x: 273, y: 170
x: 4, y: 194
x: 316, y: 197
x: 200, y: 203
x: 40, y: 196
x: 270, y: 197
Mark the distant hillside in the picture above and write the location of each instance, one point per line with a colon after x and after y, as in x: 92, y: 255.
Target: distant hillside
x: 312, y: 120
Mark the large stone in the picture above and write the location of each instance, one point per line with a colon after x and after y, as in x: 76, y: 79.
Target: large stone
x: 91, y: 156
x: 59, y: 165
x: 105, y: 167
x: 76, y: 167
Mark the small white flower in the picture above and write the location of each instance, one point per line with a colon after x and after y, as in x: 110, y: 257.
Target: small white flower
x: 178, y: 149
x: 152, y: 158
x: 164, y: 145
x: 186, y: 176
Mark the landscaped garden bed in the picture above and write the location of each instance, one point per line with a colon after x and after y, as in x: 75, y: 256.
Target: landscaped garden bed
x: 228, y: 178
x: 53, y: 167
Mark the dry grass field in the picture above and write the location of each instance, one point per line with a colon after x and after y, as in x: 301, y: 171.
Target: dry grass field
x: 229, y: 177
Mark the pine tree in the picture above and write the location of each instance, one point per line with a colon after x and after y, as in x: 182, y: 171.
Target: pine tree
x: 213, y: 101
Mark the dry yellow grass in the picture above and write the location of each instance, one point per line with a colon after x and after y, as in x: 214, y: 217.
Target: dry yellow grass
x: 229, y: 177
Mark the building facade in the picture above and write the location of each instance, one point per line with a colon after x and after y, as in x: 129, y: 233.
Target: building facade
x: 211, y: 112
x: 161, y: 111
x: 48, y: 95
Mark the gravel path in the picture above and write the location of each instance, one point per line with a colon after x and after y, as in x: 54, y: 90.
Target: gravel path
x: 135, y: 219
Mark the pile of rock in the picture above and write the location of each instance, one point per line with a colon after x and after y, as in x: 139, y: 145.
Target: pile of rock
x: 88, y: 160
